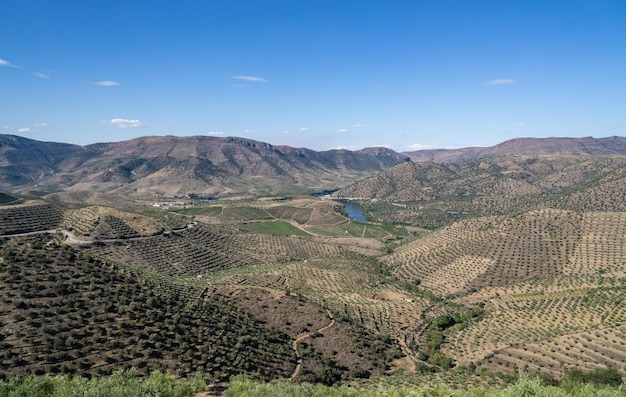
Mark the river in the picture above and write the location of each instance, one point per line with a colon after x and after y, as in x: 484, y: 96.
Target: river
x: 355, y: 212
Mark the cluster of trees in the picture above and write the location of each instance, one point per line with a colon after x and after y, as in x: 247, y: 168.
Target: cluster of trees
x: 64, y: 311
x: 522, y: 387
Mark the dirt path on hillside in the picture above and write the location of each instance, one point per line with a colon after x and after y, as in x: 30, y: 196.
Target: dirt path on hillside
x: 294, y: 345
x: 217, y: 390
x: 72, y: 239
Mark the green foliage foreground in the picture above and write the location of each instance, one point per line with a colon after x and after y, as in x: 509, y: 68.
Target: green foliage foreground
x: 119, y: 384
x: 129, y: 384
x: 525, y: 386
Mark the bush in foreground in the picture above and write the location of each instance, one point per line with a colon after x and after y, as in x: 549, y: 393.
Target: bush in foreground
x: 119, y: 384
x: 525, y: 386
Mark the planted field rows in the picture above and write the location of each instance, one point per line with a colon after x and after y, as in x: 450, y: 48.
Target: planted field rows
x: 490, y: 252
x: 602, y: 245
x: 109, y: 223
x: 9, y: 199
x: 586, y: 350
x: 545, y: 276
x: 517, y: 319
x: 62, y: 311
x: 192, y: 251
x: 349, y: 289
x: 203, y: 249
x: 30, y: 217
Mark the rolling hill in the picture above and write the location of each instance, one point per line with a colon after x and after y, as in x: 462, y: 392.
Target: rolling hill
x: 435, y: 194
x: 526, y: 147
x: 215, y: 166
x: 171, y: 166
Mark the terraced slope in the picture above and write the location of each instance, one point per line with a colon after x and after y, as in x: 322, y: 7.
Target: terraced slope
x: 29, y: 217
x: 552, y: 281
x: 63, y: 311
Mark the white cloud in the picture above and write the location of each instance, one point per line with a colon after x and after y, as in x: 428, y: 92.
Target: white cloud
x: 519, y: 125
x: 342, y: 130
x: 7, y: 64
x: 501, y: 82
x: 305, y: 129
x: 343, y: 148
x: 357, y: 125
x: 24, y: 130
x: 40, y: 124
x: 418, y: 146
x: 124, y: 123
x: 248, y: 131
x: 252, y: 79
x: 107, y: 83
x: 42, y: 75
x: 215, y: 133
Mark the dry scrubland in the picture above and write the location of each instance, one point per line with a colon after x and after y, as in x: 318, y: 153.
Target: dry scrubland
x: 524, y: 272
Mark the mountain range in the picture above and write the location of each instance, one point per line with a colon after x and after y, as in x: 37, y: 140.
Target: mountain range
x: 217, y: 167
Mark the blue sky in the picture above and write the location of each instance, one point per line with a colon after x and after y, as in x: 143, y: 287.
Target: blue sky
x: 317, y: 74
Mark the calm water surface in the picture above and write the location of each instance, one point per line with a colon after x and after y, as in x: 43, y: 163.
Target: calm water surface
x: 355, y: 212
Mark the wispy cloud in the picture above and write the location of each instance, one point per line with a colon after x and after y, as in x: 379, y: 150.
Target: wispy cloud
x: 107, y: 83
x: 357, y: 125
x: 248, y: 131
x: 342, y: 130
x: 501, y: 82
x: 126, y: 123
x: 27, y: 129
x: 215, y: 133
x: 305, y: 129
x: 42, y: 75
x: 419, y: 146
x: 40, y: 125
x: 252, y: 79
x: 6, y: 63
x: 519, y: 125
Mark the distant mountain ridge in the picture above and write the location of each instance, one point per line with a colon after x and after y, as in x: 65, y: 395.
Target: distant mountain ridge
x: 171, y: 165
x: 216, y: 166
x: 525, y: 147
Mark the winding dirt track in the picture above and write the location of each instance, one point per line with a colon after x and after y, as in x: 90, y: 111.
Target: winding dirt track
x: 294, y: 345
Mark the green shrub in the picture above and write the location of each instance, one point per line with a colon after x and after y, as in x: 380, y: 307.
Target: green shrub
x: 119, y: 384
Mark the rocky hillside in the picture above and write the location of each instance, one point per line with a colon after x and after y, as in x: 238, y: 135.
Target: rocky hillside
x: 215, y: 166
x: 171, y: 165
